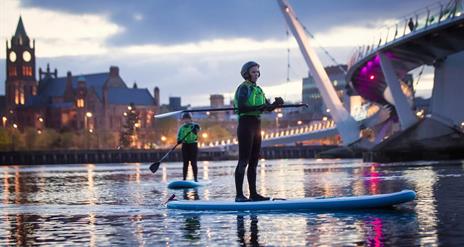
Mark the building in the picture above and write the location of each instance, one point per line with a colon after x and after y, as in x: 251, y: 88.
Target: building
x: 217, y: 101
x: 175, y: 104
x: 74, y: 102
x: 311, y: 95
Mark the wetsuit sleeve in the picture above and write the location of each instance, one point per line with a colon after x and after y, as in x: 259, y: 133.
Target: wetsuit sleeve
x: 243, y: 93
x: 179, y: 133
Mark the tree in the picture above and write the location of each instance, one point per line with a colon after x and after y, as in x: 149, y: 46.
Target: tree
x: 128, y: 132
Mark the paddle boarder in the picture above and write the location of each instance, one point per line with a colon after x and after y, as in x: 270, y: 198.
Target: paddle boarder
x: 188, y: 137
x: 250, y: 103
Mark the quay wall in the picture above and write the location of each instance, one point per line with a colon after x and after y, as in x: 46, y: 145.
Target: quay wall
x: 133, y: 156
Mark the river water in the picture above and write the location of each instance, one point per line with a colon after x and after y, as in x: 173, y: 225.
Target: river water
x: 121, y: 204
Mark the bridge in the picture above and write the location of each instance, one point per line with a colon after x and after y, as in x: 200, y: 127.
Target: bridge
x: 433, y: 35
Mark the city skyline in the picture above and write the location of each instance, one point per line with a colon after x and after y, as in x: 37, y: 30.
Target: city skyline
x: 182, y: 45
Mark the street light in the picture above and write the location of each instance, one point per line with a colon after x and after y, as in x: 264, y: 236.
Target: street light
x: 87, y: 115
x: 204, y: 135
x: 4, y: 119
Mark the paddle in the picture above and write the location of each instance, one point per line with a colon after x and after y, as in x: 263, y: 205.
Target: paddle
x: 154, y: 167
x: 171, y: 198
x: 168, y: 114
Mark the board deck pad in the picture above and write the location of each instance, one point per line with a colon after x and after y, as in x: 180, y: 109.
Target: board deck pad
x: 314, y: 203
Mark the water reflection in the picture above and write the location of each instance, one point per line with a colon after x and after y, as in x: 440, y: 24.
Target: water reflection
x: 120, y: 204
x: 191, y: 194
x: 242, y: 236
x: 191, y: 227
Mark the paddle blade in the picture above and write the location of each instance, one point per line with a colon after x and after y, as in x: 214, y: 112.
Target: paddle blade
x: 154, y: 167
x: 168, y: 114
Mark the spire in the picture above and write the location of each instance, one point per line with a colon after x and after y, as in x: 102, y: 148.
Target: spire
x: 20, y: 31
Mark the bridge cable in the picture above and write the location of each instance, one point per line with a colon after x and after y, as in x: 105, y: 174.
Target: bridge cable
x: 323, y: 48
x: 418, y: 79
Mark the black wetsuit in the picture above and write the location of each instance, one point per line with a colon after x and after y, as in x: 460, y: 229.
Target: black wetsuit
x: 249, y: 137
x: 249, y: 143
x: 187, y: 134
x: 189, y: 153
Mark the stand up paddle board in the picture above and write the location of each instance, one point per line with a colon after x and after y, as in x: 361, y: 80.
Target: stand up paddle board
x: 186, y: 184
x: 317, y: 203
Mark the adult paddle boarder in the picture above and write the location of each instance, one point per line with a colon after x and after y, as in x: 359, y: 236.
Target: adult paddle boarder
x: 250, y: 102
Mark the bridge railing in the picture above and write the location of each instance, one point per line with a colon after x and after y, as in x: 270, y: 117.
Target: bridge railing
x: 314, y: 126
x: 416, y: 21
x: 271, y: 134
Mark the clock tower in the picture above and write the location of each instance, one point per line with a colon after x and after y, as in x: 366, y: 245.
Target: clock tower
x: 20, y: 81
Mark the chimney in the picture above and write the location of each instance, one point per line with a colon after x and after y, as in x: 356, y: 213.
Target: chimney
x: 68, y: 93
x: 156, y: 97
x: 114, y: 71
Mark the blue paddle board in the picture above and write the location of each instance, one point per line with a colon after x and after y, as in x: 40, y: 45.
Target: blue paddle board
x: 317, y: 203
x: 185, y: 184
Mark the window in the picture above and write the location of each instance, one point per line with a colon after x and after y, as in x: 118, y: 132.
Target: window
x: 21, y: 95
x: 27, y: 71
x: 16, y: 94
x: 80, y: 103
x: 12, y: 71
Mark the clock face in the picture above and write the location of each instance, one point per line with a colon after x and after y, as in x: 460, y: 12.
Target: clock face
x: 12, y: 56
x: 27, y: 56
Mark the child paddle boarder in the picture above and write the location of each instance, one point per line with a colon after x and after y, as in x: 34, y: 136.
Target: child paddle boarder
x: 188, y: 137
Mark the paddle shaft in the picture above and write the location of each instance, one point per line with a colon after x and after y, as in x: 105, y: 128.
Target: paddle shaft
x: 233, y: 108
x: 169, y: 114
x: 172, y: 149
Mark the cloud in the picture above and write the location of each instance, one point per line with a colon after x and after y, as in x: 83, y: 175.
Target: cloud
x: 179, y: 21
x: 59, y: 33
x: 194, y: 48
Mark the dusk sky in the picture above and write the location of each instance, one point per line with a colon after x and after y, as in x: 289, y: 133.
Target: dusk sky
x: 196, y: 48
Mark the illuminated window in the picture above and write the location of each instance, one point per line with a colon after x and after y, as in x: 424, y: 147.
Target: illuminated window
x: 80, y: 103
x: 27, y: 71
x: 21, y: 96
x: 16, y: 94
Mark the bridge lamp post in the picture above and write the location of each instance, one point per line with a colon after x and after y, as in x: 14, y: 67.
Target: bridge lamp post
x: 279, y: 115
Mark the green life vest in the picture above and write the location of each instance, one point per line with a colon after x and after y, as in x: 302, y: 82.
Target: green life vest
x: 184, y: 132
x: 256, y: 97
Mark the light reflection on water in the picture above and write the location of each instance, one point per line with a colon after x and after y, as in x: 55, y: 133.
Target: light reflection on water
x: 121, y: 204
